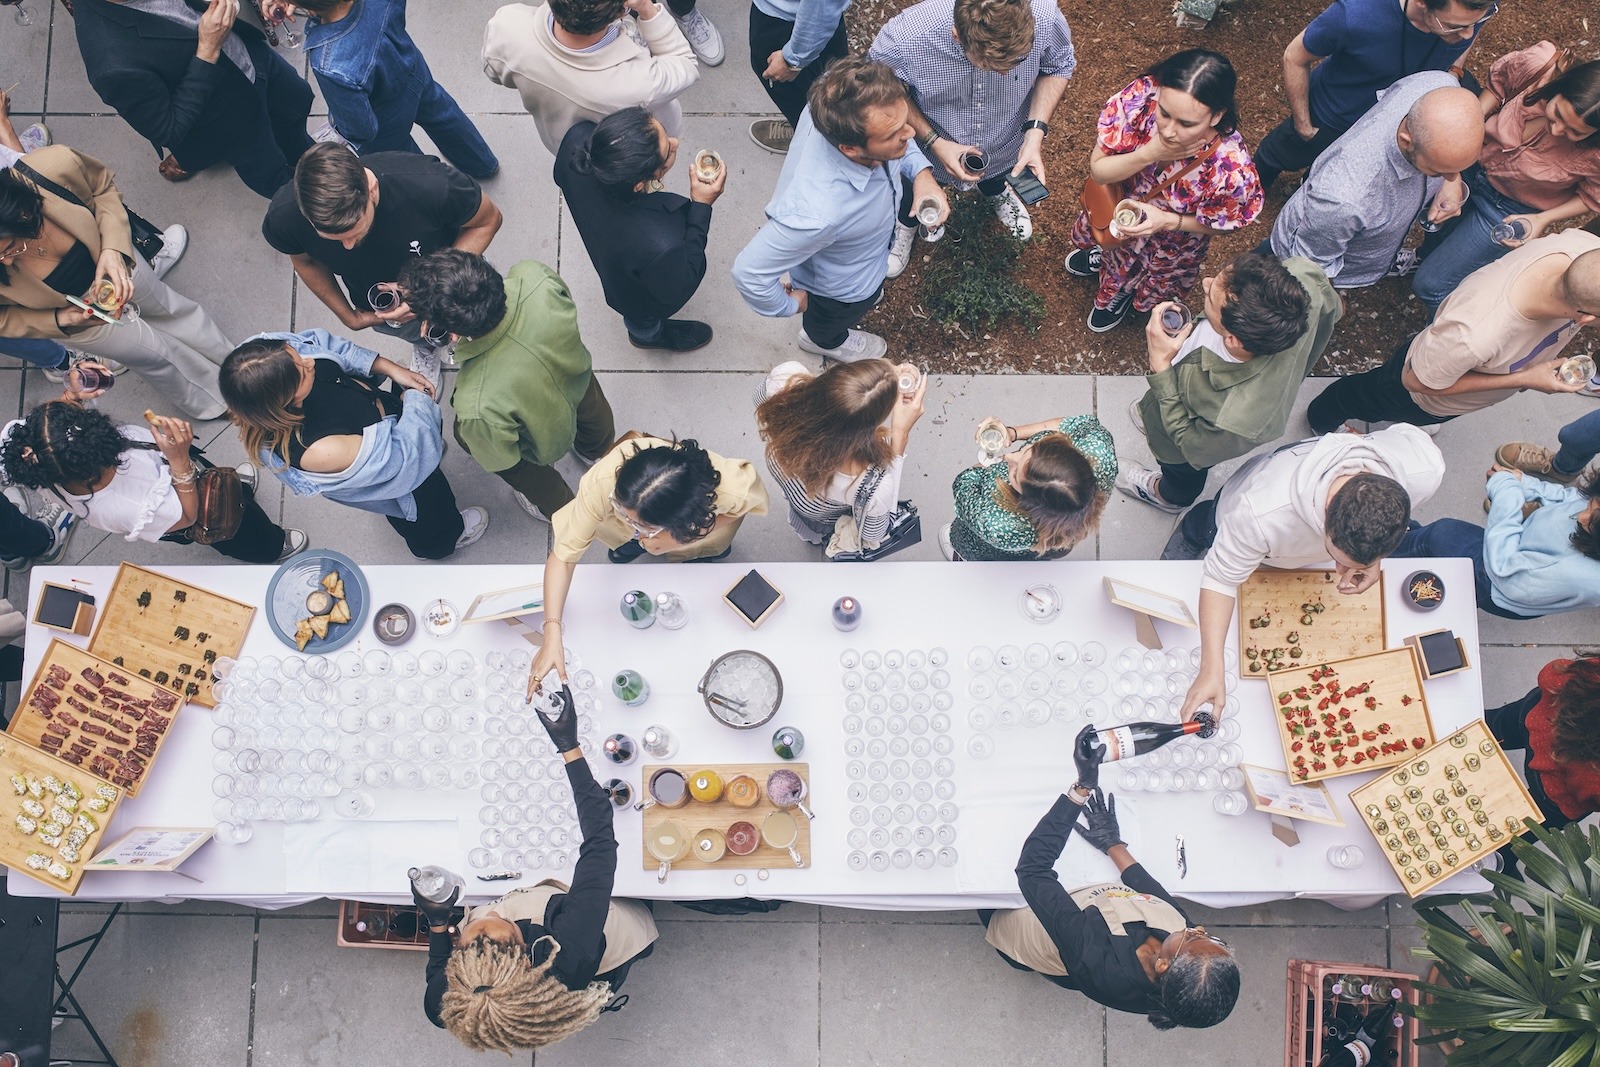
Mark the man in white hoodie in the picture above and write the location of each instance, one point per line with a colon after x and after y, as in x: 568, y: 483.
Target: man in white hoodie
x: 1345, y: 497
x: 572, y: 60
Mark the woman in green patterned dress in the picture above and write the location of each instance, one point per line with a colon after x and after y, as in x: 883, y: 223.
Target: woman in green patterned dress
x: 1045, y: 498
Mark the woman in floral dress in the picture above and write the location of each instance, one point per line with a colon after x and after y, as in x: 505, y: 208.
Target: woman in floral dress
x: 1180, y: 110
x: 1041, y: 501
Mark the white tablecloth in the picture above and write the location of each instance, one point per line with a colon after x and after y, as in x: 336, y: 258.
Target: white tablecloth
x: 1231, y: 861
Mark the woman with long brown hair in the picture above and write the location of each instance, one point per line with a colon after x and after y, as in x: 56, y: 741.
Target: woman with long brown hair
x: 1041, y: 501
x: 836, y: 442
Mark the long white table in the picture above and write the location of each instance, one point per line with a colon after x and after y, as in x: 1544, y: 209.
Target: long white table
x: 1231, y: 861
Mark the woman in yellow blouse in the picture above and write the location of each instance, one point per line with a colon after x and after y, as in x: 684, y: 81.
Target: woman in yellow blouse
x: 672, y: 499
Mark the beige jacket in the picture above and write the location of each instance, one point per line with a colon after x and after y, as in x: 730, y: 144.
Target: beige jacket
x: 27, y: 305
x: 561, y: 88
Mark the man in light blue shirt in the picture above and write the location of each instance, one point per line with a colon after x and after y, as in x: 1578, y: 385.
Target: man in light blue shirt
x: 832, y: 215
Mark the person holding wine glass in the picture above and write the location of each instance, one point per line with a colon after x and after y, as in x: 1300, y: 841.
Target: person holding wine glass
x: 542, y: 962
x: 1126, y: 944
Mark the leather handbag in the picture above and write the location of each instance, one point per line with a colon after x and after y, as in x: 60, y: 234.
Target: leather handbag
x: 220, y: 499
x: 905, y: 524
x: 1100, y: 199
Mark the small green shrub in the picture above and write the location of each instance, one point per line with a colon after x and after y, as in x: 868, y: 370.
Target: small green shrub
x: 970, y: 282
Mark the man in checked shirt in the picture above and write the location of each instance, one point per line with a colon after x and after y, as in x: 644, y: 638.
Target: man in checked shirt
x: 985, y: 77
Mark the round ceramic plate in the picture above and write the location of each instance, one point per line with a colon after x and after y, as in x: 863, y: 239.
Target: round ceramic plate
x: 297, y: 578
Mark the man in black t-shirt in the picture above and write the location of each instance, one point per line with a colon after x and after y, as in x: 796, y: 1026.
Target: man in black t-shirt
x: 359, y: 220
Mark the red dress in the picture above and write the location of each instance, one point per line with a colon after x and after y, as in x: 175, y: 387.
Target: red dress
x: 1223, y: 192
x: 1573, y: 787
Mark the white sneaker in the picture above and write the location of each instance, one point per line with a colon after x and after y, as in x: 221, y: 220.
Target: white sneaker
x: 1137, y: 416
x: 248, y: 475
x: 62, y: 523
x: 900, y: 248
x: 945, y: 546
x: 859, y: 345
x: 34, y: 137
x: 174, y: 240
x: 1012, y: 213
x: 529, y: 506
x: 294, y: 542
x: 425, y: 361
x: 704, y: 39
x: 477, y: 521
x: 1139, y: 482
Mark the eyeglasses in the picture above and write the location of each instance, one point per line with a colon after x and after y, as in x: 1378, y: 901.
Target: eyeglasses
x: 1445, y: 29
x: 642, y: 532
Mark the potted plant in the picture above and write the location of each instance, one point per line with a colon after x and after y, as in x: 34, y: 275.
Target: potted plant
x: 1516, y: 981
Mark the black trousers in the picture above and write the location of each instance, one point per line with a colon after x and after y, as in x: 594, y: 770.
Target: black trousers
x: 258, y: 540
x: 1182, y: 484
x: 1377, y: 395
x: 439, y: 523
x: 768, y: 35
x: 1509, y: 725
x: 267, y: 161
x: 828, y: 321
x: 21, y: 537
x: 1284, y: 149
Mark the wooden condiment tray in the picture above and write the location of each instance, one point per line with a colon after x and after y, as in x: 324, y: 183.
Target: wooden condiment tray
x: 696, y: 816
x: 175, y: 635
x: 1346, y: 626
x: 30, y: 725
x: 1502, y: 798
x: 1395, y: 686
x: 15, y: 846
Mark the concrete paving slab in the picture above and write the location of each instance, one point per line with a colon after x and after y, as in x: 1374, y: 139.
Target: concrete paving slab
x: 967, y: 917
x: 164, y: 989
x: 24, y: 50
x: 935, y: 993
x: 1292, y: 913
x: 1510, y: 671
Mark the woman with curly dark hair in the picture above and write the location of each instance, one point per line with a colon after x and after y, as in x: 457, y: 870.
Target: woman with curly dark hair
x: 672, y: 499
x: 1558, y: 723
x: 130, y: 480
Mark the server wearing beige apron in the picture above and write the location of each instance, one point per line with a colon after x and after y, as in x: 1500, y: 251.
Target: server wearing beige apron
x: 1125, y: 944
x: 542, y: 962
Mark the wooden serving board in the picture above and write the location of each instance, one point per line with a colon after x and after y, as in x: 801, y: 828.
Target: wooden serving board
x: 695, y: 816
x: 1390, y: 680
x: 170, y: 631
x: 15, y: 846
x: 31, y: 724
x: 1346, y: 626
x: 1465, y: 769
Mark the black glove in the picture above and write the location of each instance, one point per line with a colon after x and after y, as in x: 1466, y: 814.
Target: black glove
x: 436, y: 912
x: 1100, y: 827
x: 563, y: 729
x: 1087, y: 752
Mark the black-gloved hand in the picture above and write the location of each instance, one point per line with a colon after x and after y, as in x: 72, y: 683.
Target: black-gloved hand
x: 436, y: 912
x: 1100, y: 827
x: 1087, y: 752
x: 563, y: 729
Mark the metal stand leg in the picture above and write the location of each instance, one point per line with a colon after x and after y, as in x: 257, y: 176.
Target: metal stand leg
x: 66, y: 1000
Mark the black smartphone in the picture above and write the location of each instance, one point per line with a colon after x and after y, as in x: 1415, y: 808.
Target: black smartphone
x: 1029, y: 189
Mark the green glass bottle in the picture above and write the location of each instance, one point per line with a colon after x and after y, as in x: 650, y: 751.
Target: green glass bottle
x: 630, y: 687
x: 638, y: 609
x: 788, y: 742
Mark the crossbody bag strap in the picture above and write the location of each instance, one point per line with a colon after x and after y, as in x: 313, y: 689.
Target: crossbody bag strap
x: 865, y: 490
x: 1199, y: 158
x: 45, y: 183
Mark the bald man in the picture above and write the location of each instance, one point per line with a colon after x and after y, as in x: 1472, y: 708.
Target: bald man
x: 1503, y: 330
x: 1402, y: 159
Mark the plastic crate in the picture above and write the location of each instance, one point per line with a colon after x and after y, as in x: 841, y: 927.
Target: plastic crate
x: 352, y: 912
x: 1303, y: 1039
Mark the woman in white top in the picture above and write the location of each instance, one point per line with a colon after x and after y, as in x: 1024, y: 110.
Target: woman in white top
x: 836, y: 442
x: 128, y: 480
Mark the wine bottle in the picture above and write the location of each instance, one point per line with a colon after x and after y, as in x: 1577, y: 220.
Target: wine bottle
x: 1385, y: 989
x: 1359, y: 1051
x: 1339, y: 1023
x: 1137, y: 738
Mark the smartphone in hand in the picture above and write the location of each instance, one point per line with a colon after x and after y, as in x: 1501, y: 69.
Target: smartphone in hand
x: 1029, y: 189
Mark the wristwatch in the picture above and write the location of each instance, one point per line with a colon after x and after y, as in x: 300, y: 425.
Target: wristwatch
x: 1037, y: 124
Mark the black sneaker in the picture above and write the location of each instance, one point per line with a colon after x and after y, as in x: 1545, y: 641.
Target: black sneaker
x: 1103, y: 320
x: 625, y: 553
x: 1084, y: 263
x: 677, y: 335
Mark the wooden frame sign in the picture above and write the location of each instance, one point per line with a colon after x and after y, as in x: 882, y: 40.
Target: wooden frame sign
x: 1272, y: 791
x: 1148, y: 605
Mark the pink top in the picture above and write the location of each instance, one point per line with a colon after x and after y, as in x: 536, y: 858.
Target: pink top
x: 1534, y: 168
x: 1223, y: 192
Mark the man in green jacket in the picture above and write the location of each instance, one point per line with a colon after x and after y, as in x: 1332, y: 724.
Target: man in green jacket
x: 526, y: 393
x: 1226, y: 383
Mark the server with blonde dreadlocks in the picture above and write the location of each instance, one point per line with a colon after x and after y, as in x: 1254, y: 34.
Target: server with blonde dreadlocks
x: 540, y: 963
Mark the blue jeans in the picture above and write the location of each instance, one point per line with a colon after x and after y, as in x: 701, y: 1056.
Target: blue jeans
x: 40, y: 351
x: 1463, y: 244
x: 1452, y: 538
x: 1580, y: 443
x: 442, y: 119
x: 645, y: 331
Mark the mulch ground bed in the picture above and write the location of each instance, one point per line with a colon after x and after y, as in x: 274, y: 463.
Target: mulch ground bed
x: 1115, y: 41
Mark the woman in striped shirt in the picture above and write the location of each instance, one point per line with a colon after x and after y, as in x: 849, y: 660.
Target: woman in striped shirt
x: 836, y: 443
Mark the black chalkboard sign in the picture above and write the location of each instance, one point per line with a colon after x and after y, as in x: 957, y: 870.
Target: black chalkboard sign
x: 59, y: 608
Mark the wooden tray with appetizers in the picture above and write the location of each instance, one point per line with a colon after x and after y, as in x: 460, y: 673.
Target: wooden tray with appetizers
x: 172, y: 632
x: 98, y: 717
x: 1350, y: 715
x: 1295, y: 618
x: 54, y: 815
x: 743, y: 798
x: 1450, y: 806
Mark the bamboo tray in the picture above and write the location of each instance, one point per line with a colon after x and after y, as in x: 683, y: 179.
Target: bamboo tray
x: 174, y: 636
x: 31, y: 725
x: 695, y: 816
x: 1347, y: 626
x: 1398, y: 703
x: 15, y: 846
x: 1466, y: 767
